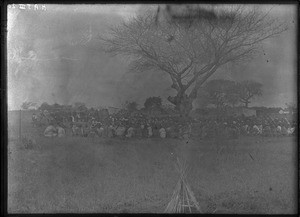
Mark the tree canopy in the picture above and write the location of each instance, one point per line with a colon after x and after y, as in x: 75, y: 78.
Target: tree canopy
x: 131, y: 106
x: 152, y: 103
x: 190, y: 50
x: 248, y: 90
x: 222, y: 92
x: 45, y: 106
x: 80, y: 106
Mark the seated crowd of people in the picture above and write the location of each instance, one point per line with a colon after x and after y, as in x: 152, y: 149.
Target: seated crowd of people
x: 139, y: 125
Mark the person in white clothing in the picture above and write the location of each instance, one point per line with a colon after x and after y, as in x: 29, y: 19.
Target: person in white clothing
x: 130, y: 132
x: 60, y: 131
x: 162, y: 133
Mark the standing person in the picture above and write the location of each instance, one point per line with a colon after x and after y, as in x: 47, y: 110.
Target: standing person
x: 110, y: 131
x: 60, y: 131
x: 267, y: 130
x: 278, y: 130
x: 284, y: 130
x: 100, y: 130
x: 138, y: 130
x: 187, y: 130
x: 105, y: 131
x: 130, y: 132
x: 162, y: 133
x: 144, y: 131
x: 34, y: 120
x: 85, y: 130
x: 120, y: 130
x: 76, y: 129
x: 150, y: 132
x: 169, y: 131
x: 155, y: 129
x: 256, y: 130
x: 290, y: 130
x: 245, y: 129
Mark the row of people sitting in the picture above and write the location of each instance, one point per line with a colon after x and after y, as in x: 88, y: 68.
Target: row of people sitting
x: 144, y: 131
x: 163, y: 130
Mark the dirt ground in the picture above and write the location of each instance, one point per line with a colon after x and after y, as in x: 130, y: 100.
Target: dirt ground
x: 256, y: 175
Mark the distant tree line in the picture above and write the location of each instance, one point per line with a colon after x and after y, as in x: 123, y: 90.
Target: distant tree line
x: 217, y: 93
x: 221, y: 93
x: 153, y: 103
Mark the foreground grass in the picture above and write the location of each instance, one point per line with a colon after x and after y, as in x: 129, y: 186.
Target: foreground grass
x: 249, y: 175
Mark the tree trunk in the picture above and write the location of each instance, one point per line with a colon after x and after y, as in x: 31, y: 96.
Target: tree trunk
x: 185, y: 108
x: 246, y: 104
x: 183, y: 104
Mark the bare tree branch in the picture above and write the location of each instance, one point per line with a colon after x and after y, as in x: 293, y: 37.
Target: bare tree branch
x: 191, y: 53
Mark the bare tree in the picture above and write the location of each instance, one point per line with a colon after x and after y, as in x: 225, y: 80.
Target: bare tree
x: 248, y: 90
x: 190, y: 50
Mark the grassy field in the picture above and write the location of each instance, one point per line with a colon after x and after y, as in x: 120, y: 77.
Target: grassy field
x: 88, y: 175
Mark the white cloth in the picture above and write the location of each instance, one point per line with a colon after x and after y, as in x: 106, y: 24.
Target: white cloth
x: 245, y: 128
x: 162, y: 133
x: 290, y: 130
x: 278, y: 129
x: 130, y: 132
x: 120, y: 131
x: 256, y: 129
x: 60, y: 131
x: 50, y: 131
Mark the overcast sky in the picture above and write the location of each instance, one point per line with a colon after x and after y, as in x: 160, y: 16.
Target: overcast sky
x: 49, y: 68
